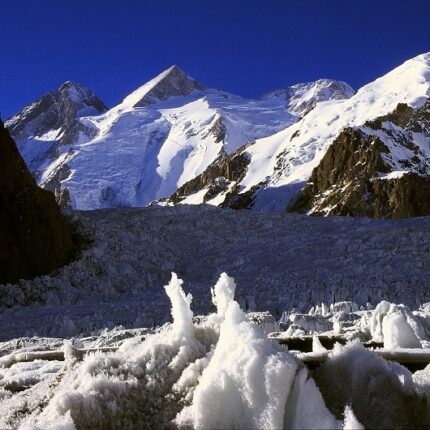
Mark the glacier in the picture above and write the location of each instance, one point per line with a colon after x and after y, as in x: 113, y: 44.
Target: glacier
x: 280, y: 262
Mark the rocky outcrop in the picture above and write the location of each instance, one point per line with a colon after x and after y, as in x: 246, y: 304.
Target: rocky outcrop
x: 221, y: 176
x: 356, y: 178
x: 35, y: 236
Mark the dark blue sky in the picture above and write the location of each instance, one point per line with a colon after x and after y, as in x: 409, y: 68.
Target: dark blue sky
x: 243, y: 46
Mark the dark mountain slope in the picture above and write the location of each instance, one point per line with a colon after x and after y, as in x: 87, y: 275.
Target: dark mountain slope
x: 35, y: 236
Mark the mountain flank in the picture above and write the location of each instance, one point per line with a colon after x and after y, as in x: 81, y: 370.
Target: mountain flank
x: 35, y: 236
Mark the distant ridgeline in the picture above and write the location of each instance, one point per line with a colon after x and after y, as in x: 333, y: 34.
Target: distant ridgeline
x: 317, y: 147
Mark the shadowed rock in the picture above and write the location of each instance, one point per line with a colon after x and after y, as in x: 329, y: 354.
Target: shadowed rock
x: 35, y: 237
x: 353, y: 178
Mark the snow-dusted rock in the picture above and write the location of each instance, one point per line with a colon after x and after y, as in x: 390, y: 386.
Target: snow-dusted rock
x: 302, y: 98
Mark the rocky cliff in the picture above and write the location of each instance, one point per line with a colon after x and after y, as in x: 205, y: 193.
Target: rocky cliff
x: 220, y: 179
x: 380, y: 170
x: 35, y: 237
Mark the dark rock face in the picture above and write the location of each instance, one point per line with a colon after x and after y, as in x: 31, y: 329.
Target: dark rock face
x: 35, y: 237
x: 348, y: 180
x: 225, y: 171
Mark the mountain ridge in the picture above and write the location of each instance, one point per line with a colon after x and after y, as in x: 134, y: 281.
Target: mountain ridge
x: 302, y: 97
x: 283, y: 163
x: 172, y: 129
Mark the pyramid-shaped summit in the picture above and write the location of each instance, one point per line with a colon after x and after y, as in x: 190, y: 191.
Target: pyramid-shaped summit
x: 173, y: 82
x: 80, y: 95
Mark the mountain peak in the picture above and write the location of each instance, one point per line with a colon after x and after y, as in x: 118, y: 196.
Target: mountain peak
x: 80, y: 95
x: 69, y: 84
x: 302, y: 97
x: 174, y: 68
x: 56, y: 110
x: 172, y: 82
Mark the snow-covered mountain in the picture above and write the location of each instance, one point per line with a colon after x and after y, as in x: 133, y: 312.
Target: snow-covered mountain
x: 364, y: 155
x: 315, y: 147
x: 301, y: 98
x: 158, y: 138
x: 53, y: 120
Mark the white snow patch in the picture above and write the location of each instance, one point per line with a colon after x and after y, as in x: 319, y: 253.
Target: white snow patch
x: 394, y: 175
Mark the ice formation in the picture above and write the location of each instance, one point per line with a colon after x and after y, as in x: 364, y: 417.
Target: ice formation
x: 395, y: 325
x: 178, y: 375
x: 351, y: 422
x: 250, y: 383
x: 221, y: 371
x: 381, y: 393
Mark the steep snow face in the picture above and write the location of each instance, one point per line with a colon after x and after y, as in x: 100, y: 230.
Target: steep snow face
x: 41, y: 127
x: 281, y: 164
x: 146, y: 153
x: 301, y: 98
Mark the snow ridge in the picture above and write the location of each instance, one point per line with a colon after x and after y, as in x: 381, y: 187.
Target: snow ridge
x: 301, y: 98
x: 281, y: 164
